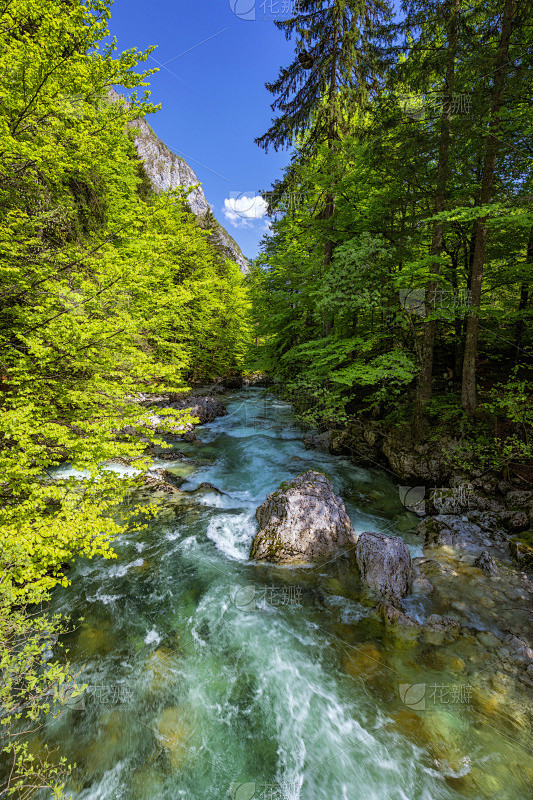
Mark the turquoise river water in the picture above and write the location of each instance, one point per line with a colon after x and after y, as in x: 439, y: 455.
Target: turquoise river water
x: 209, y: 676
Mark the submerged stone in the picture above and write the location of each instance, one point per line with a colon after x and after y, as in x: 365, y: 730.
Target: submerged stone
x: 93, y: 641
x: 160, y: 668
x: 175, y: 733
x: 363, y: 660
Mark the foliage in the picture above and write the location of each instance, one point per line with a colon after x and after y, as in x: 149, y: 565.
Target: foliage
x: 359, y: 326
x: 31, y: 687
x: 107, y: 291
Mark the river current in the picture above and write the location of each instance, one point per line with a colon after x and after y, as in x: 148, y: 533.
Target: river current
x: 209, y: 676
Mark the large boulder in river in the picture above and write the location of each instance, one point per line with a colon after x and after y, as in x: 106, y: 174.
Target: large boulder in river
x: 161, y: 480
x: 302, y: 521
x: 205, y: 408
x: 384, y: 564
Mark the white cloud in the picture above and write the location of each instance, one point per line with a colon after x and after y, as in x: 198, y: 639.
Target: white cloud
x: 242, y: 209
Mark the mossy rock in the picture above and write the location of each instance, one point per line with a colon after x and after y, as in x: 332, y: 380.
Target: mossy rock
x: 521, y: 548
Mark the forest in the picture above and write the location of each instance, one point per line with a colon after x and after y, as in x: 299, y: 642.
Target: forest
x: 394, y: 290
x: 396, y: 284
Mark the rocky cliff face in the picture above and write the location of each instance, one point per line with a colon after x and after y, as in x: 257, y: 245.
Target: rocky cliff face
x: 165, y: 170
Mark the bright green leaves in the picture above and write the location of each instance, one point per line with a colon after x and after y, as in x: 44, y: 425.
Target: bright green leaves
x: 106, y: 292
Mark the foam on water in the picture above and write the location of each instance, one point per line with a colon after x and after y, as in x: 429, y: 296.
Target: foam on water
x: 233, y: 534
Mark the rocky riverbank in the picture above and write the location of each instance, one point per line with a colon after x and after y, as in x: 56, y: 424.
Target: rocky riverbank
x: 477, y: 539
x: 476, y: 513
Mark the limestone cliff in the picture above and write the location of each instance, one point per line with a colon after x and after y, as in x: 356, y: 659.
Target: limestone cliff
x: 165, y: 170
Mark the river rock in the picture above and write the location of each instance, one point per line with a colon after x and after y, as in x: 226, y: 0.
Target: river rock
x: 174, y: 729
x: 520, y: 499
x: 206, y: 409
x: 207, y: 488
x: 393, y: 616
x: 522, y: 552
x: 384, y: 564
x: 421, y: 585
x: 162, y: 480
x: 208, y: 390
x: 166, y: 455
x: 518, y: 650
x: 490, y: 522
x: 412, y: 461
x: 516, y: 521
x: 461, y: 499
x: 303, y: 521
x: 361, y: 442
x: 258, y: 379
x: 448, y: 501
x: 449, y: 529
x: 485, y: 562
x: 440, y: 629
x: 317, y: 441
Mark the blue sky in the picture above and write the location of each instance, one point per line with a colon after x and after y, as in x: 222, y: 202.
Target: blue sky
x: 213, y: 96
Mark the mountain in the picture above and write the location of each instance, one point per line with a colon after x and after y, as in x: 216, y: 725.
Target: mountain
x: 165, y: 170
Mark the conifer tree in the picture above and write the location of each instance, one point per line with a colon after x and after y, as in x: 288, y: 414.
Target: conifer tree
x: 336, y: 54
x: 335, y: 69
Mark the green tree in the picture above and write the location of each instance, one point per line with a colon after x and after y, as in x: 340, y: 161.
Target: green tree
x: 106, y: 291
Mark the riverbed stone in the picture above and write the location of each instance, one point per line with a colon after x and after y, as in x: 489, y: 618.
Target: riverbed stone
x: 207, y: 488
x: 449, y: 529
x: 175, y: 732
x: 93, y: 641
x: 160, y: 669
x: 206, y: 409
x: 421, y: 585
x: 363, y: 660
x: 384, y: 564
x: 161, y: 480
x: 303, y: 521
x: 392, y: 616
x: 485, y: 562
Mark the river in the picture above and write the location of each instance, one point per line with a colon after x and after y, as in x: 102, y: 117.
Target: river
x: 210, y: 677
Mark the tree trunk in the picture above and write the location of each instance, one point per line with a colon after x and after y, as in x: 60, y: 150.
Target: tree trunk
x: 330, y: 197
x: 426, y: 368
x: 501, y: 68
x: 524, y: 299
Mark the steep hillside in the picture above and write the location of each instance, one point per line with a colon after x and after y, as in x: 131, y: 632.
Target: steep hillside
x: 165, y: 170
